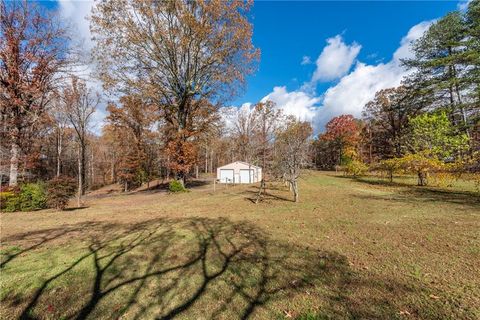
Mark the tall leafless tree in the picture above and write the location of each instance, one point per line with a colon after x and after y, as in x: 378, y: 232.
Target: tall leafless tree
x: 80, y: 103
x: 293, y: 145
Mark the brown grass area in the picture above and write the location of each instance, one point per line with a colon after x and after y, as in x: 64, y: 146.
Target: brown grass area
x: 350, y: 249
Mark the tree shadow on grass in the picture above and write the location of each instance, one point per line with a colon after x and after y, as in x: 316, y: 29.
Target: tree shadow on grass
x: 76, y: 208
x: 163, y: 186
x: 154, y: 188
x: 414, y: 194
x: 198, y: 183
x: 377, y: 181
x: 199, y: 268
x: 37, y: 239
x: 252, y: 193
x: 435, y: 195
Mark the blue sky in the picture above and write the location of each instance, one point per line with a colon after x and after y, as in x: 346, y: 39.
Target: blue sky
x: 286, y: 31
x: 320, y: 59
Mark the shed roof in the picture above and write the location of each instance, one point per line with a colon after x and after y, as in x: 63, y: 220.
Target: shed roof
x: 242, y: 162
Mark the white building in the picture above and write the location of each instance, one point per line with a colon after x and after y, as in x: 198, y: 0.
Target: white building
x: 239, y: 172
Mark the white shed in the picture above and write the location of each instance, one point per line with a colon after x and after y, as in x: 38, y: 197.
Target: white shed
x: 239, y: 172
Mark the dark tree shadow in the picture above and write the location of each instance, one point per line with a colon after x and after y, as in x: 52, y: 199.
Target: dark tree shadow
x: 36, y: 239
x: 198, y: 183
x: 414, y: 194
x: 251, y: 194
x: 159, y: 187
x: 163, y: 187
x: 164, y: 268
x: 76, y: 208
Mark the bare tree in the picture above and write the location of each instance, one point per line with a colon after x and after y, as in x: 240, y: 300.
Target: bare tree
x: 79, y: 103
x: 59, y: 123
x: 244, y: 132
x: 268, y: 118
x: 293, y: 146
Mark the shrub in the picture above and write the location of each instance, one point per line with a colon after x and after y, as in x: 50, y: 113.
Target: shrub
x: 32, y: 197
x: 355, y: 168
x: 29, y: 197
x: 422, y: 165
x: 176, y: 186
x: 443, y: 178
x: 60, y: 190
x: 13, y: 203
x: 390, y: 166
x: 10, y: 199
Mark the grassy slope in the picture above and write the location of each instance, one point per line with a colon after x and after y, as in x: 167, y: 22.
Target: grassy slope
x: 349, y: 249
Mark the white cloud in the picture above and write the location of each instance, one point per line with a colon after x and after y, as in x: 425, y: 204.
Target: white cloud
x: 335, y: 60
x: 230, y: 114
x: 98, y: 120
x: 357, y: 88
x: 306, y: 60
x: 415, y: 32
x: 463, y: 4
x: 296, y: 103
x: 77, y: 13
x: 352, y: 91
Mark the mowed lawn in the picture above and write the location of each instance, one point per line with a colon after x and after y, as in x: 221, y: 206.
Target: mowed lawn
x: 349, y: 249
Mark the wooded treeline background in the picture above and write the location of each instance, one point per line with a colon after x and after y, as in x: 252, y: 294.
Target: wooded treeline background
x: 168, y: 70
x: 429, y: 123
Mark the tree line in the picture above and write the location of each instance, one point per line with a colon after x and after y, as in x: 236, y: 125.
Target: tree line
x: 166, y: 70
x: 431, y: 122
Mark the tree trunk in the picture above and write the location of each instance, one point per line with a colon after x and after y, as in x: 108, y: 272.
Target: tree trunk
x: 14, y: 158
x: 211, y: 160
x: 262, y: 189
x: 206, y: 160
x: 370, y: 149
x: 295, y: 190
x: 59, y: 152
x: 181, y: 178
x: 167, y: 173
x: 80, y: 178
x: 92, y: 170
x: 196, y: 171
x: 112, y: 173
x: 460, y: 103
x: 83, y: 166
x: 422, y: 178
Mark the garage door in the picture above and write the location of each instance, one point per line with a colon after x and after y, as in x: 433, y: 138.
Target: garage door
x: 226, y: 175
x: 246, y: 175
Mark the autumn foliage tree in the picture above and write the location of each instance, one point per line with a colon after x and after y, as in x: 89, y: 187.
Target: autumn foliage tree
x: 182, y: 155
x: 131, y: 125
x: 33, y: 52
x: 174, y: 53
x: 343, y: 132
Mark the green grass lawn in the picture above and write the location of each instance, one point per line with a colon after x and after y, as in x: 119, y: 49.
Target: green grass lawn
x: 350, y: 249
